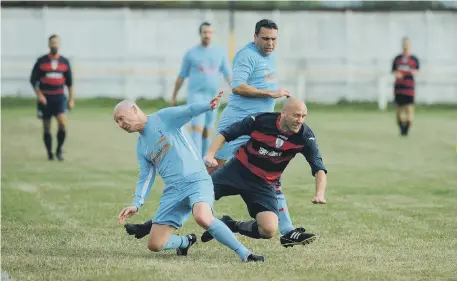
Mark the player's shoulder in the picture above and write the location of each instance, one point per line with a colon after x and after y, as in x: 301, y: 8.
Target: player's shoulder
x: 308, y: 133
x: 263, y: 116
x: 43, y: 58
x: 414, y: 57
x: 247, y: 51
x: 64, y: 59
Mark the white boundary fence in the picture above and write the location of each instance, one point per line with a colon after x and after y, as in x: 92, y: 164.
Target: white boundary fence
x: 322, y: 56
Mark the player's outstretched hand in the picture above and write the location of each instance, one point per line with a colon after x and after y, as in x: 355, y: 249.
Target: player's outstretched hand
x: 126, y: 213
x: 318, y: 200
x: 280, y: 93
x: 214, y: 103
x: 210, y: 162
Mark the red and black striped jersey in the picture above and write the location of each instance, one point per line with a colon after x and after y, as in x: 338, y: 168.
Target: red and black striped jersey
x: 405, y: 64
x: 269, y: 150
x: 51, y: 74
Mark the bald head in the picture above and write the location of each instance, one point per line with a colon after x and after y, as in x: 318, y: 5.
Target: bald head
x: 293, y: 115
x: 129, y: 116
x: 124, y: 105
x: 293, y: 104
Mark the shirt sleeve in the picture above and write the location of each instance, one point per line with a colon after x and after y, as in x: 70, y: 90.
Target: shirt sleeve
x: 394, y: 65
x: 68, y: 76
x: 185, y: 66
x: 35, y: 75
x: 240, y: 128
x: 145, y: 179
x: 417, y: 62
x: 178, y: 116
x: 243, y: 66
x: 225, y: 68
x: 312, y: 154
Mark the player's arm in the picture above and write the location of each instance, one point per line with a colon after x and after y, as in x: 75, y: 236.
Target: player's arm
x: 69, y: 82
x: 225, y: 69
x: 318, y: 170
x: 144, y: 182
x: 143, y: 187
x: 395, y: 70
x: 183, y: 74
x: 35, y: 81
x: 178, y: 116
x: 243, y: 67
x: 416, y: 70
x: 236, y: 130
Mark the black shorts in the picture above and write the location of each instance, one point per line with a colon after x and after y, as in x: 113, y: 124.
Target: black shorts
x: 55, y: 105
x: 234, y: 178
x: 404, y: 99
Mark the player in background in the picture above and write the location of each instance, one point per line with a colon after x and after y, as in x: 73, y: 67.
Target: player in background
x: 163, y: 148
x: 202, y: 64
x: 255, y: 88
x: 405, y: 66
x: 50, y: 74
x: 275, y: 138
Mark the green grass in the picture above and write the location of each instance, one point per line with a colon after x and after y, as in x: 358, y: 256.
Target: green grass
x: 391, y: 212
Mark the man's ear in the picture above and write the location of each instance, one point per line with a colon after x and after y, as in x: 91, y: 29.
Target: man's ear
x: 134, y: 109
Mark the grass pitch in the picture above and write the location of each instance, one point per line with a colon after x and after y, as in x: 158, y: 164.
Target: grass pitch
x: 391, y: 212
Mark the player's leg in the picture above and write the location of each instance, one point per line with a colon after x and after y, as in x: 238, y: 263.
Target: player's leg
x: 59, y: 110
x: 44, y: 114
x: 409, y: 108
x: 285, y: 222
x: 210, y: 120
x: 290, y: 235
x: 170, y: 215
x: 202, y: 208
x: 400, y: 107
x: 61, y: 134
x: 197, y: 125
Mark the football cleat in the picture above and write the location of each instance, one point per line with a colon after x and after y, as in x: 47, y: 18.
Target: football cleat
x: 297, y: 236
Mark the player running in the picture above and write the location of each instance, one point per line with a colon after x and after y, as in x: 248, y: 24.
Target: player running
x: 162, y: 147
x: 275, y: 138
x: 202, y: 64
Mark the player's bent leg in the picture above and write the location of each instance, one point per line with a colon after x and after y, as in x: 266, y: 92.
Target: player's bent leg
x: 268, y: 224
x: 285, y: 222
x: 203, y: 216
x: 159, y: 237
x: 61, y: 134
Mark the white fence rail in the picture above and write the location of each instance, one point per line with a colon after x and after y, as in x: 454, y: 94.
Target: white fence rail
x: 322, y: 56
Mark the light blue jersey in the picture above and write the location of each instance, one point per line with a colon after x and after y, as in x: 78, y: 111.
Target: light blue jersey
x: 203, y: 66
x: 250, y: 66
x: 164, y: 148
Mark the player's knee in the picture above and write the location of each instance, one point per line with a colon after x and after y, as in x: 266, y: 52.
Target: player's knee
x: 268, y: 231
x: 155, y: 246
x: 268, y: 224
x: 203, y: 215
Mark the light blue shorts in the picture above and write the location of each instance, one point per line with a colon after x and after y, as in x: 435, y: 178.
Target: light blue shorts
x: 206, y: 120
x: 177, y: 201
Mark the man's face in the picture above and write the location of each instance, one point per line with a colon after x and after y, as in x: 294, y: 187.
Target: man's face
x: 54, y: 45
x: 294, y: 118
x: 127, y: 118
x: 206, y: 35
x: 405, y: 45
x: 265, y: 41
